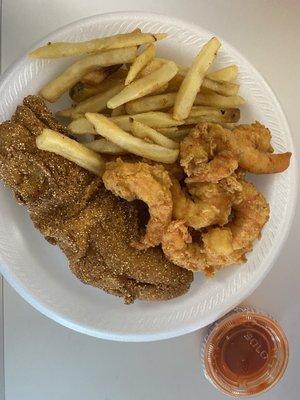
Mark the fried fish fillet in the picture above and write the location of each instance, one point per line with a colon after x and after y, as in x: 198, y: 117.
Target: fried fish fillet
x: 73, y: 210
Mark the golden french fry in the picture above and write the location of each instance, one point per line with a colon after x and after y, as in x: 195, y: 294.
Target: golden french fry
x: 68, y: 49
x: 118, y: 111
x: 62, y: 145
x: 193, y: 79
x: 95, y: 103
x: 143, y: 131
x: 178, y: 135
x: 221, y: 87
x: 104, y: 146
x: 167, y: 100
x: 113, y: 133
x: 67, y: 113
x: 168, y: 131
x: 80, y: 92
x: 56, y: 88
x: 140, y: 62
x: 161, y: 89
x: 81, y: 126
x: 151, y: 103
x: 211, y: 114
x: 155, y: 119
x: 98, y: 75
x: 145, y: 85
x: 152, y: 66
x: 175, y: 83
x: 228, y: 74
x: 213, y: 99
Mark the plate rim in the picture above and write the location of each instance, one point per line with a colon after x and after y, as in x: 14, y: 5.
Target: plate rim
x: 238, y: 297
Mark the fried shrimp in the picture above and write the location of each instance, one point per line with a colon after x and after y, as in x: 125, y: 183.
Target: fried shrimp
x: 210, y: 202
x: 149, y: 183
x: 219, y: 246
x: 210, y: 152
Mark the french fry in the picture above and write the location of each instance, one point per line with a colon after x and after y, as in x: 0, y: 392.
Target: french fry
x: 62, y: 145
x: 95, y: 103
x: 150, y: 103
x: 67, y: 113
x: 178, y: 135
x: 118, y: 111
x: 221, y: 87
x: 194, y: 78
x: 168, y: 131
x: 211, y: 114
x: 143, y: 131
x: 213, y: 99
x: 155, y: 119
x: 161, y: 89
x: 152, y: 66
x: 112, y: 132
x: 145, y: 85
x: 139, y: 63
x: 56, y: 88
x: 80, y: 92
x: 167, y: 100
x: 104, y: 146
x: 81, y: 126
x: 98, y: 75
x: 228, y: 74
x: 175, y: 83
x: 70, y: 49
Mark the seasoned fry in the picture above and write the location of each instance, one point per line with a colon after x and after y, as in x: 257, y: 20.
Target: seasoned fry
x: 213, y: 99
x: 57, y: 143
x: 228, y: 74
x: 155, y: 119
x: 97, y: 76
x: 151, y: 103
x: 124, y: 40
x: 221, y: 87
x: 118, y: 111
x: 81, y: 126
x: 56, y: 88
x: 211, y: 114
x: 139, y: 63
x: 145, y: 85
x: 95, y: 103
x: 143, y: 131
x: 194, y: 78
x: 134, y: 145
x: 104, y: 146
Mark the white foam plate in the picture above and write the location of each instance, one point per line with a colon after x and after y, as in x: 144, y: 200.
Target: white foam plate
x: 39, y: 271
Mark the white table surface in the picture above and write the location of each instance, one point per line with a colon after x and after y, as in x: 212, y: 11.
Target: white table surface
x: 46, y: 361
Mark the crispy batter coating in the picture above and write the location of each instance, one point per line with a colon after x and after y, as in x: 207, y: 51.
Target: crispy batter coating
x: 149, y: 183
x: 209, y: 204
x: 72, y: 209
x: 219, y: 246
x: 210, y: 152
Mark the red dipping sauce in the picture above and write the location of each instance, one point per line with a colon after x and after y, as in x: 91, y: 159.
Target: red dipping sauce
x: 245, y: 354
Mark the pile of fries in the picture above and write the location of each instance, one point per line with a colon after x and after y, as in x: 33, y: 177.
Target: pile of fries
x: 137, y: 103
